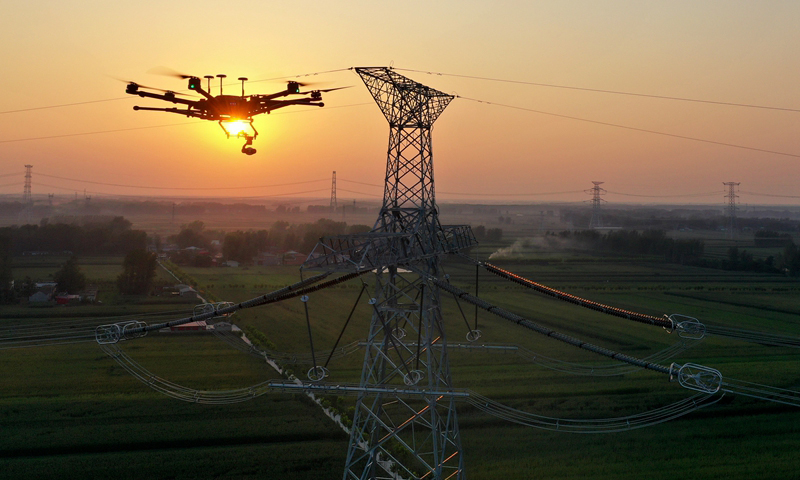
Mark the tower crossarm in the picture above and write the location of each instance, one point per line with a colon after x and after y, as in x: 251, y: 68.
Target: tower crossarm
x: 368, y: 251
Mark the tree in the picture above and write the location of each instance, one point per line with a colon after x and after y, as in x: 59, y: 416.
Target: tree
x: 70, y: 278
x: 139, y: 269
x: 6, y: 277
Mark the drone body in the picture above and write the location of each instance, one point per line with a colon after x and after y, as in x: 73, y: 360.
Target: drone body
x: 233, y: 112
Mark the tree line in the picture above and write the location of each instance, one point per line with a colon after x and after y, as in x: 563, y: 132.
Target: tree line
x: 647, y: 242
x: 108, y: 237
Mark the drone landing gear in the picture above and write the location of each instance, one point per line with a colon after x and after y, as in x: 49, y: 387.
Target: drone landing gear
x: 246, y: 148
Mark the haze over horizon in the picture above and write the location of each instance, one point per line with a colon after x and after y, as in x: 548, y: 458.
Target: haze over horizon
x: 521, y: 142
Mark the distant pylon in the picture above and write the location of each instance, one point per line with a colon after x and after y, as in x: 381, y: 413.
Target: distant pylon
x: 731, y: 210
x: 333, y: 193
x: 50, y: 199
x: 596, y: 192
x: 26, y: 192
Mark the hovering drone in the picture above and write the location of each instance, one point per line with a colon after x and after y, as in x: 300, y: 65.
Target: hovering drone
x: 233, y: 112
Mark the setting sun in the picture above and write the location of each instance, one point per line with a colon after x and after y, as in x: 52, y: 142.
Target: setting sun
x: 237, y: 127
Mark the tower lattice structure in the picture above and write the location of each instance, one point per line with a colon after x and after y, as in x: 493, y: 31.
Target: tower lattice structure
x: 406, y: 347
x: 334, y: 206
x: 596, y: 192
x: 26, y: 190
x: 731, y: 207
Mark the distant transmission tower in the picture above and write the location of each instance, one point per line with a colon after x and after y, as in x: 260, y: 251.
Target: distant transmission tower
x: 26, y: 192
x: 333, y: 193
x: 596, y: 192
x: 405, y: 423
x: 731, y: 210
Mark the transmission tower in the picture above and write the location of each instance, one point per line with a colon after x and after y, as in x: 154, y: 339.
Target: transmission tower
x: 26, y: 191
x: 596, y: 192
x: 333, y: 193
x: 731, y: 209
x: 406, y: 347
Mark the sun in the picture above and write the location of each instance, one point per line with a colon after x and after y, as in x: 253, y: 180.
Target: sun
x: 236, y: 128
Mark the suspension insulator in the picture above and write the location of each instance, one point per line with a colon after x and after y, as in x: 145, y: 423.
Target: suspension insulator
x: 697, y: 377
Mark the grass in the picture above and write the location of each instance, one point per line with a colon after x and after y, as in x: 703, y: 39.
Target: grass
x: 73, y: 411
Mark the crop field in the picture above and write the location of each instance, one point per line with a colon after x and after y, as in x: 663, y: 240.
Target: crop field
x: 72, y: 410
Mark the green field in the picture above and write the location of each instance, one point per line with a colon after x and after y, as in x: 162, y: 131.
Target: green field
x: 70, y: 411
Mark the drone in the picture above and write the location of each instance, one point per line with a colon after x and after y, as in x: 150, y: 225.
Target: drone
x: 233, y: 112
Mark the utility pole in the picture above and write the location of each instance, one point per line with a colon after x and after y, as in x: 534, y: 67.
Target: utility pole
x: 596, y: 192
x: 731, y: 208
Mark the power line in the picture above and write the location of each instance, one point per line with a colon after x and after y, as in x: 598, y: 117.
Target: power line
x: 627, y: 127
x: 614, y: 92
x: 62, y: 105
x: 150, y: 196
x: 181, y: 188
x: 770, y: 195
x: 533, y: 194
x: 157, y: 126
x: 123, y: 98
x: 707, y: 194
x: 11, y: 174
x: 359, y: 193
x: 96, y: 132
x: 527, y: 194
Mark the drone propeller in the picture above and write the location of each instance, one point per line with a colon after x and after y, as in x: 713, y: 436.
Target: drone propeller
x: 325, y: 90
x: 166, y: 71
x: 139, y: 85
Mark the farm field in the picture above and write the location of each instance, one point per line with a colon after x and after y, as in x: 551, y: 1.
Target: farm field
x: 71, y: 409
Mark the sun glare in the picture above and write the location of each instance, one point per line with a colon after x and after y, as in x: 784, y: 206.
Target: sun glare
x: 237, y: 127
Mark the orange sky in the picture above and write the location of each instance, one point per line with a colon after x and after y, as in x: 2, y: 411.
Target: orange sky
x: 742, y: 52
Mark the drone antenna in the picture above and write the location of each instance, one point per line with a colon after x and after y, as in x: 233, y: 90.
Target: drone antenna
x: 221, y: 76
x: 243, y: 79
x: 209, y: 77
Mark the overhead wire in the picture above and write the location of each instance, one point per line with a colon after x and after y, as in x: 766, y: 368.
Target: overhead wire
x: 148, y: 196
x: 600, y: 425
x: 181, y: 188
x: 628, y: 127
x: 597, y: 90
x: 769, y: 195
x: 97, y: 132
x: 708, y: 194
x: 45, y: 107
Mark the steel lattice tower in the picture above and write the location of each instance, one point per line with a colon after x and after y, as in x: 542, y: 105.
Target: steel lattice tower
x: 732, y: 207
x: 26, y: 191
x: 596, y: 192
x: 405, y: 421
x: 425, y: 430
x: 333, y: 193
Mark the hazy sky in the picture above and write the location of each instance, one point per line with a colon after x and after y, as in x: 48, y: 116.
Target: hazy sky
x: 60, y: 52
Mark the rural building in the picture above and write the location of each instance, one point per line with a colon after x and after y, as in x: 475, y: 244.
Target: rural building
x: 89, y: 294
x: 294, y: 258
x: 231, y: 263
x: 265, y: 258
x: 186, y: 291
x: 66, y: 299
x: 44, y: 292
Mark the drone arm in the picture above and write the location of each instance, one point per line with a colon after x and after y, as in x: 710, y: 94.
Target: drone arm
x: 187, y: 112
x: 267, y: 107
x: 166, y: 97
